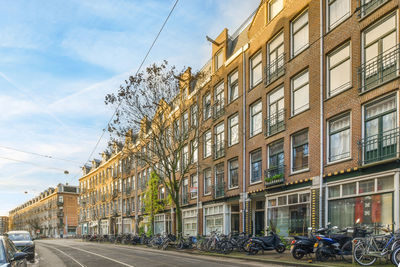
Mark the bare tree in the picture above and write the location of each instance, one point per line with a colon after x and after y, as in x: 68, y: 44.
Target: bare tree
x: 151, y: 115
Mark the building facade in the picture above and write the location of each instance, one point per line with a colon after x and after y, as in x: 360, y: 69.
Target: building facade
x: 3, y: 224
x: 299, y: 127
x: 54, y: 213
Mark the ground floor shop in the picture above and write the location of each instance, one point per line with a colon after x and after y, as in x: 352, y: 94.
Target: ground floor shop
x: 222, y: 218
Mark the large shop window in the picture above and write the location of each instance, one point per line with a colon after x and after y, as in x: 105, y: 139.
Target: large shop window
x: 189, y: 222
x: 214, y: 219
x: 370, y: 201
x: 290, y: 214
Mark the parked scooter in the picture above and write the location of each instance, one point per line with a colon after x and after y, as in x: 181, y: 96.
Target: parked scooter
x: 304, y: 245
x: 270, y: 242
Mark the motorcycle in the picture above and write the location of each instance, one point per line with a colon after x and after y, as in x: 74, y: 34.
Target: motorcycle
x: 270, y: 242
x: 335, y: 245
x: 304, y: 245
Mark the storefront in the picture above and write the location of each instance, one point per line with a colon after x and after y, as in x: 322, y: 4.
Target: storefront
x: 369, y: 200
x: 289, y: 213
x: 216, y: 218
x: 189, y: 220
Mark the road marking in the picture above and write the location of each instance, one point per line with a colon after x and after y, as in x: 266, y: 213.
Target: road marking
x: 69, y: 256
x: 120, y: 262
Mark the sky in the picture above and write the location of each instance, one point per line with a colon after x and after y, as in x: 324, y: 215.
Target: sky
x: 58, y: 60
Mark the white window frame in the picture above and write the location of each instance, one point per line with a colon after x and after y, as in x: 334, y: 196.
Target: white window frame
x: 218, y: 60
x: 251, y: 165
x: 337, y: 50
x: 291, y: 151
x: 252, y: 133
x: 270, y: 17
x: 292, y: 52
x: 231, y: 84
x: 329, y: 25
x: 230, y: 126
x: 253, y: 67
x: 204, y: 184
x: 292, y: 90
x: 229, y: 172
x: 328, y: 138
x: 205, y: 141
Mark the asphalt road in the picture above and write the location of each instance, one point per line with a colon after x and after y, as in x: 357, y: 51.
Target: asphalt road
x: 75, y: 253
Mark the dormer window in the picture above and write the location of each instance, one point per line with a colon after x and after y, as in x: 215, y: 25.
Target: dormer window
x: 218, y: 60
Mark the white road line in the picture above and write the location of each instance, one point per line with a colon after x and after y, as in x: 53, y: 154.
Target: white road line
x: 120, y: 262
x: 69, y: 256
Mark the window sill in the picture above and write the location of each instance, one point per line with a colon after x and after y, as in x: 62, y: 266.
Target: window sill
x: 338, y: 161
x: 205, y: 195
x: 299, y: 52
x: 372, y: 11
x: 299, y: 171
x: 256, y: 183
x: 337, y: 24
x: 233, y: 188
x: 294, y: 115
x: 254, y: 86
x: 229, y: 146
x: 254, y: 135
x: 207, y: 157
x: 232, y: 101
x: 338, y: 93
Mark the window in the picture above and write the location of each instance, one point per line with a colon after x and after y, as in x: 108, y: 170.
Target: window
x: 219, y: 180
x: 276, y: 159
x: 339, y: 138
x: 233, y: 130
x: 276, y: 58
x: 339, y: 70
x: 185, y: 157
x: 368, y: 6
x: 299, y: 28
x: 218, y: 60
x: 300, y: 151
x: 207, y: 106
x: 256, y: 166
x: 233, y: 85
x: 207, y: 181
x: 193, y: 186
x: 219, y: 100
x: 193, y: 115
x: 176, y: 133
x: 194, y: 150
x: 338, y: 11
x: 380, y: 131
x: 256, y: 118
x: 380, y: 53
x: 274, y: 7
x: 219, y: 140
x: 207, y: 144
x: 300, y: 93
x: 256, y: 70
x: 185, y: 122
x: 185, y: 191
x: 233, y: 179
x: 276, y: 111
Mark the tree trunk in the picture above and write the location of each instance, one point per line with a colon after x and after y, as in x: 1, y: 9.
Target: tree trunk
x: 178, y: 215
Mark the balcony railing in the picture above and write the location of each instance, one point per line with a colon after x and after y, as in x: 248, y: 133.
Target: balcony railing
x: 379, y: 69
x: 218, y: 110
x: 219, y: 189
x: 219, y: 150
x: 366, y: 7
x: 274, y: 175
x: 379, y: 147
x: 275, y: 123
x: 275, y: 69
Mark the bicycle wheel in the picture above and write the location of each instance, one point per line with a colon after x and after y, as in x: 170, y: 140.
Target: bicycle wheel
x: 226, y: 247
x: 395, y: 257
x: 361, y: 257
x: 347, y: 251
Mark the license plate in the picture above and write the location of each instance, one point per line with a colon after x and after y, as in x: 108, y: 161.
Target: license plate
x: 315, y: 245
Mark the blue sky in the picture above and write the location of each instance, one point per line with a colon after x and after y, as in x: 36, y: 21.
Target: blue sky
x: 58, y: 59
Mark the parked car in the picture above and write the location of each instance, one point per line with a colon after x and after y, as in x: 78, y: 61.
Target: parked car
x: 9, y: 254
x: 24, y: 242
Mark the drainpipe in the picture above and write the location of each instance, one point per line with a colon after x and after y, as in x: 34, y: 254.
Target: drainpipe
x: 321, y: 74
x: 197, y: 164
x: 244, y: 142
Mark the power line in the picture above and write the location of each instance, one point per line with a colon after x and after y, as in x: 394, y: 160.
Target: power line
x: 37, y: 154
x: 140, y: 66
x: 32, y: 163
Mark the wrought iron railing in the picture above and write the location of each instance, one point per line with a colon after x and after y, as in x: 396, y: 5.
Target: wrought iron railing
x: 219, y: 189
x: 275, y: 69
x: 379, y: 69
x: 366, y: 7
x: 274, y: 175
x: 379, y: 147
x: 275, y: 123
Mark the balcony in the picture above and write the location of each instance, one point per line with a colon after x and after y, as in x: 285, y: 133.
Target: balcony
x: 219, y: 150
x: 366, y: 7
x: 218, y: 110
x: 379, y: 70
x: 275, y: 123
x: 275, y: 69
x: 379, y: 147
x: 274, y: 175
x: 219, y: 189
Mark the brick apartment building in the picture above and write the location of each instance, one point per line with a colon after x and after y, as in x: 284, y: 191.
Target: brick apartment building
x: 51, y: 214
x: 3, y: 224
x: 300, y: 112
